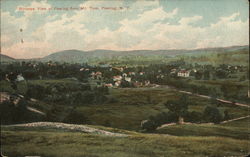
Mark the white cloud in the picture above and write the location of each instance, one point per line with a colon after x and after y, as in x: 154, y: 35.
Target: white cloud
x: 145, y: 20
x: 189, y: 20
x: 226, y: 32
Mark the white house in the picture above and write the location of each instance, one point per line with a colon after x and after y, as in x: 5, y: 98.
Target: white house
x: 96, y: 75
x: 124, y: 75
x: 173, y: 71
x: 117, y: 83
x: 128, y: 79
x: 183, y: 73
x: 131, y: 73
x: 117, y: 78
x: 119, y: 68
x: 108, y: 85
x: 20, y: 78
x: 142, y: 73
x: 147, y: 83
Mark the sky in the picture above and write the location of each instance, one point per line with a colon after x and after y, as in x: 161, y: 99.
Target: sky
x: 34, y: 28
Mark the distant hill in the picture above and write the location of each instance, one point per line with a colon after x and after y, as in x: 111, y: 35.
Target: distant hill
x: 77, y: 56
x: 6, y: 59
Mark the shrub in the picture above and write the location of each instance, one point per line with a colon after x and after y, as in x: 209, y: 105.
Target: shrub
x: 149, y: 125
x: 212, y: 114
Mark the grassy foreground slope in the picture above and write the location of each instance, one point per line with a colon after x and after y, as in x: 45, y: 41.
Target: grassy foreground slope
x: 59, y: 144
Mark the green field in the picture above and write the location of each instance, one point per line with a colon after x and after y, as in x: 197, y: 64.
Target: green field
x: 133, y: 106
x: 235, y: 57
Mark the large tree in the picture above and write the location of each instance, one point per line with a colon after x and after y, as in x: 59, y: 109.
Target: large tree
x: 179, y: 107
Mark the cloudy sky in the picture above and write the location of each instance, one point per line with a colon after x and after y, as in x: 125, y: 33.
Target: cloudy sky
x: 48, y: 26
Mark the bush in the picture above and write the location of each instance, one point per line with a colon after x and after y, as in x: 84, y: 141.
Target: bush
x: 149, y: 125
x: 11, y: 113
x: 212, y: 114
x: 155, y: 121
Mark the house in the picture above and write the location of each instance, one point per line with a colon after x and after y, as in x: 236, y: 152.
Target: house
x: 173, y: 71
x: 124, y: 75
x: 117, y: 83
x: 34, y: 65
x: 81, y: 69
x: 131, y: 73
x: 20, y: 78
x: 147, y: 83
x: 92, y: 74
x: 96, y: 75
x: 119, y: 69
x: 160, y: 76
x: 108, y: 85
x: 117, y: 78
x: 128, y: 79
x: 183, y: 73
x: 137, y: 84
x: 142, y: 73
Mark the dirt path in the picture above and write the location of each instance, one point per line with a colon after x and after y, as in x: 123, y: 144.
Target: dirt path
x: 231, y: 120
x: 35, y: 110
x: 184, y: 123
x: 220, y: 100
x: 187, y: 123
x: 73, y: 127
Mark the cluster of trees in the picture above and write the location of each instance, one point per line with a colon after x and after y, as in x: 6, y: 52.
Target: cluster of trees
x: 68, y: 93
x: 38, y: 70
x: 178, y: 113
x: 12, y: 113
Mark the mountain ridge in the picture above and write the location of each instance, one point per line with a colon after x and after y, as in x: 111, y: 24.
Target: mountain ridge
x: 79, y: 56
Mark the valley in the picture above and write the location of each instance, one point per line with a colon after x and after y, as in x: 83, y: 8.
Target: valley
x: 107, y: 108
